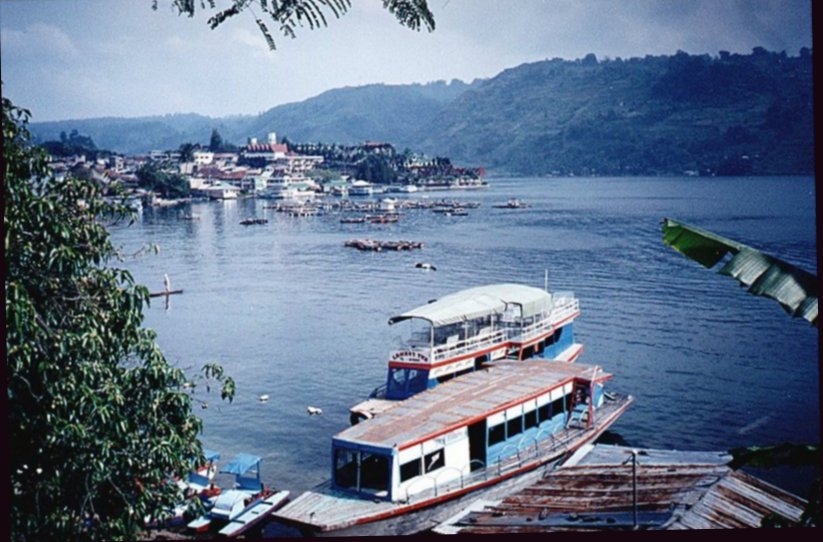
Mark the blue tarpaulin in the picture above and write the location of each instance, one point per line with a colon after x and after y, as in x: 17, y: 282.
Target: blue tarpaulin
x: 241, y: 463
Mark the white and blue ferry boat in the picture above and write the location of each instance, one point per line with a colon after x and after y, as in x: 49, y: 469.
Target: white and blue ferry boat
x: 465, y: 331
x: 481, y: 435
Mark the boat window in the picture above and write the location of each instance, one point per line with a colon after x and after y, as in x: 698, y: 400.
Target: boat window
x: 530, y: 419
x: 544, y: 412
x: 410, y: 470
x: 345, y: 468
x: 514, y: 426
x: 434, y: 460
x: 374, y: 472
x: 417, y: 380
x: 405, y: 382
x: 497, y: 434
x: 557, y: 405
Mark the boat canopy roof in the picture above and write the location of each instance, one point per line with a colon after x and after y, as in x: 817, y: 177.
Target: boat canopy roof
x: 211, y: 455
x: 462, y: 401
x: 478, y: 302
x: 241, y: 463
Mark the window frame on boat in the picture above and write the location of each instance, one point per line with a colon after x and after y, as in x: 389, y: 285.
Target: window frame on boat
x: 361, y: 455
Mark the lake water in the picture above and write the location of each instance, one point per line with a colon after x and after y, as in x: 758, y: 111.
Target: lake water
x: 290, y: 312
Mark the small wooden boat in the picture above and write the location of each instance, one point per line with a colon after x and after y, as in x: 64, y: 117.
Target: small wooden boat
x: 246, y: 504
x: 197, y: 485
x: 255, y: 513
x: 513, y: 203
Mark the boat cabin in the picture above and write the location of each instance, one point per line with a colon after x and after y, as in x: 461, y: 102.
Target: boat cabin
x: 458, y: 333
x: 464, y: 428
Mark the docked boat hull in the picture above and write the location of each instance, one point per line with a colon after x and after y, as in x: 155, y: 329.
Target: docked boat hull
x: 433, y: 514
x: 254, y: 514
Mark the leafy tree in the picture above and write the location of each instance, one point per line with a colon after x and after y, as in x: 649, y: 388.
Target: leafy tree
x: 216, y: 142
x: 375, y: 169
x: 187, y: 152
x: 73, y: 144
x: 169, y: 185
x: 97, y: 418
x: 287, y: 15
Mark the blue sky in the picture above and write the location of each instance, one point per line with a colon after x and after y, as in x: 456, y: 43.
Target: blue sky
x: 68, y: 59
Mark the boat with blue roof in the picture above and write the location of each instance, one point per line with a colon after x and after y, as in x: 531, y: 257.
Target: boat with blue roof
x: 245, y: 505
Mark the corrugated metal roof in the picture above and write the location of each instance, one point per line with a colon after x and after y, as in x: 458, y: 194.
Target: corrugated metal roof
x: 675, y: 490
x: 451, y: 404
x: 478, y: 302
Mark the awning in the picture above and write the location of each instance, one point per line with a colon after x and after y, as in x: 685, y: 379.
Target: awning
x: 241, y: 463
x: 478, y: 302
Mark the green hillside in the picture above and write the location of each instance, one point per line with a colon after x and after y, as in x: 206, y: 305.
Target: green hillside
x: 728, y: 114
x: 731, y: 114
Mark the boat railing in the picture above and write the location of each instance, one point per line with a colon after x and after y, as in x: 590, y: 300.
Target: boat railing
x: 533, y: 330
x: 472, y: 344
x: 564, y: 304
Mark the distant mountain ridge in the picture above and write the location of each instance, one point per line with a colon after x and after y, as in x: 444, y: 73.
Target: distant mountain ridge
x: 726, y: 114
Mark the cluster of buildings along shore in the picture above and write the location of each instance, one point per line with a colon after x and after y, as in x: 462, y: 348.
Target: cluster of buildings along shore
x: 276, y: 170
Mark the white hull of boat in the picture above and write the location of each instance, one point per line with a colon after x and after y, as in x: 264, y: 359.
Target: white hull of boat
x: 254, y: 514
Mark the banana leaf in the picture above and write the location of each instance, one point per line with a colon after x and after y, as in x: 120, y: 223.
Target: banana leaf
x: 764, y: 275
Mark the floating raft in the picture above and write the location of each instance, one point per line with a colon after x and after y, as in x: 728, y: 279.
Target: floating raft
x: 251, y: 221
x: 378, y: 246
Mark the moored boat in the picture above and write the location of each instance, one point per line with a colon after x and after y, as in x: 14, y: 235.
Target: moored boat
x: 464, y: 331
x: 478, y: 436
x: 199, y: 484
x: 244, y: 505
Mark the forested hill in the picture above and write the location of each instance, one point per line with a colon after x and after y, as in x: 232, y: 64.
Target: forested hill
x: 725, y: 114
x: 730, y: 114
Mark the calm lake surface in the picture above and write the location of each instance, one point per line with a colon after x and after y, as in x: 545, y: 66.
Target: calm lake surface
x: 290, y: 312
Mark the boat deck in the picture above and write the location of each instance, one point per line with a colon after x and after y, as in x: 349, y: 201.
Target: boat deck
x: 455, y: 403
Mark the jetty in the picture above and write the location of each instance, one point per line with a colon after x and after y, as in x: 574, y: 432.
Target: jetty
x: 378, y: 246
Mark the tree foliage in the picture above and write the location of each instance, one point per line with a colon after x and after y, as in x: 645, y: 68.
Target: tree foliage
x: 73, y: 144
x: 169, y: 185
x: 288, y: 15
x: 98, y: 421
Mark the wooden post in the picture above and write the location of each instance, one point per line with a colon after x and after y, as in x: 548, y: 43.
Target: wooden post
x: 634, y: 489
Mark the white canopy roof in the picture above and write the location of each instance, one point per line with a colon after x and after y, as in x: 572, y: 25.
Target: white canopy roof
x: 478, y: 302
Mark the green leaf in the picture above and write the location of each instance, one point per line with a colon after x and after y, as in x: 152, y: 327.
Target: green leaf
x: 764, y: 275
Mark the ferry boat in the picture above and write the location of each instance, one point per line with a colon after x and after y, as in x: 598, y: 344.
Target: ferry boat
x: 361, y: 188
x: 482, y: 435
x: 463, y: 331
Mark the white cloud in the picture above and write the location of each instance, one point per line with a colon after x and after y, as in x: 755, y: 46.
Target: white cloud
x: 40, y: 42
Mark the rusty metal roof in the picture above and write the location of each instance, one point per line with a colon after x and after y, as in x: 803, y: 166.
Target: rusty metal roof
x: 454, y: 403
x: 675, y: 490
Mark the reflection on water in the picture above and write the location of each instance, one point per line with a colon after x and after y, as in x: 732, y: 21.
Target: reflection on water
x: 290, y: 312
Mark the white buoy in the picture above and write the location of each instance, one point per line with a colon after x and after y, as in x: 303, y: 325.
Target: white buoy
x: 263, y: 398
